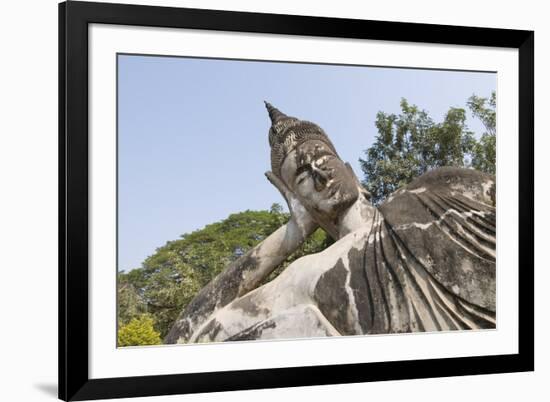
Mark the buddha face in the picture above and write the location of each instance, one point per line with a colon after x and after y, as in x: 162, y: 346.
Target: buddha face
x: 320, y: 179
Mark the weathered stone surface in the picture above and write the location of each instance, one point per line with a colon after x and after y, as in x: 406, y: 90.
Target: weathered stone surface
x: 422, y: 261
x: 445, y: 223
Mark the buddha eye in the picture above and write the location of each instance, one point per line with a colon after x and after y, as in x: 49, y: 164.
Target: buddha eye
x: 301, y: 177
x: 304, y: 168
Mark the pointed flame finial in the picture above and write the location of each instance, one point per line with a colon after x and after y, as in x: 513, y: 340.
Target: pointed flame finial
x: 274, y: 114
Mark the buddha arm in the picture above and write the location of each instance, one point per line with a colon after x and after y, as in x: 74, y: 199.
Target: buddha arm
x: 264, y: 258
x: 240, y: 277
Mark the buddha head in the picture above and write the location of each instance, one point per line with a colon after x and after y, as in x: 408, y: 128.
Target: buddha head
x: 305, y: 159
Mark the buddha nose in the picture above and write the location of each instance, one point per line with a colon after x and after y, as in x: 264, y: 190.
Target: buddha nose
x: 321, y: 172
x: 320, y: 177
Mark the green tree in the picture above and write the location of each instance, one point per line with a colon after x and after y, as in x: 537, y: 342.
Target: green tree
x: 130, y: 303
x: 170, y: 278
x: 411, y: 143
x: 484, y: 151
x: 139, y: 331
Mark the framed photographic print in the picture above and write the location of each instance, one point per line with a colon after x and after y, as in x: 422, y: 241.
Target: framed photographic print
x: 258, y: 200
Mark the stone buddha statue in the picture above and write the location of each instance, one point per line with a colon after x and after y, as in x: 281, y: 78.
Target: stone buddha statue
x: 424, y: 260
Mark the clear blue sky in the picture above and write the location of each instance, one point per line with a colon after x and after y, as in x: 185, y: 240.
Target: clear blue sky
x: 192, y: 137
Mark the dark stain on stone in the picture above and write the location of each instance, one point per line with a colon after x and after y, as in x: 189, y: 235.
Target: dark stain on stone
x: 249, y: 306
x: 212, y: 329
x: 387, y: 263
x: 332, y: 298
x: 359, y: 286
x: 179, y: 329
x: 253, y: 332
x: 231, y: 281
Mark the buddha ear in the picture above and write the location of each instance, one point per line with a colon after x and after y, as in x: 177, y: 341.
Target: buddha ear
x: 360, y: 186
x: 350, y: 169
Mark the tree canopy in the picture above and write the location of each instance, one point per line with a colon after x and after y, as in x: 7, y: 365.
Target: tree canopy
x: 410, y: 143
x: 484, y: 151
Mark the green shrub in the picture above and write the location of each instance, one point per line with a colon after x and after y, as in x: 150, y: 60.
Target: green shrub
x: 139, y: 331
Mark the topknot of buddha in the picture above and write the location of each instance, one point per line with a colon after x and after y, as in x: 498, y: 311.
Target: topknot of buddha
x: 287, y: 133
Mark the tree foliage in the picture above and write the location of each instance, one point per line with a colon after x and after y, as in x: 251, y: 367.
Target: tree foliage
x: 484, y: 151
x: 411, y: 143
x: 138, y: 332
x: 170, y: 278
x: 130, y: 303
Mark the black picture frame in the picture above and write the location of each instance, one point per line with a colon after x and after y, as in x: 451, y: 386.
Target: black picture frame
x: 74, y: 18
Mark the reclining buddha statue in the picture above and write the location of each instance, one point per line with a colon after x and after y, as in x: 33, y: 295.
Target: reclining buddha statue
x: 423, y: 260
